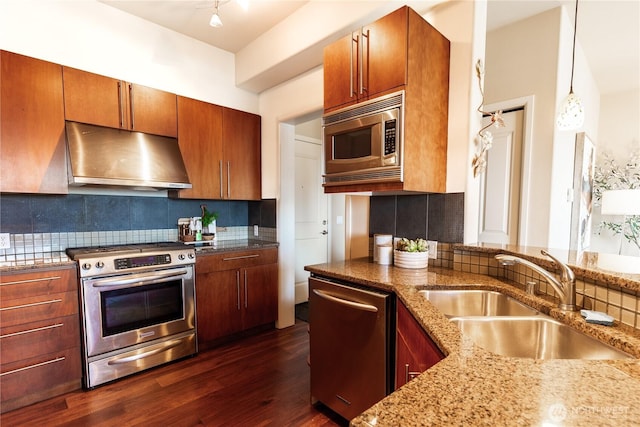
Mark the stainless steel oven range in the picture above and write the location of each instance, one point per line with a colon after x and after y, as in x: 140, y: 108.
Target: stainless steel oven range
x: 137, y: 307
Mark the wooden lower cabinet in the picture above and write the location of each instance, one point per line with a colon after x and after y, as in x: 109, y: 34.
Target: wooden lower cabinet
x: 235, y: 291
x: 415, y: 350
x: 39, y: 336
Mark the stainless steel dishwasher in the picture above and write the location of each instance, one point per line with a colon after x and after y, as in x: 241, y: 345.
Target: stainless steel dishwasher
x: 351, y: 340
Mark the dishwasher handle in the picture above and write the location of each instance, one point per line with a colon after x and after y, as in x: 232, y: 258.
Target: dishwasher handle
x: 352, y: 304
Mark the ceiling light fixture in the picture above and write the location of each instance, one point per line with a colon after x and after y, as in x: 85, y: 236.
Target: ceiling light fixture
x: 571, y: 114
x: 215, y: 20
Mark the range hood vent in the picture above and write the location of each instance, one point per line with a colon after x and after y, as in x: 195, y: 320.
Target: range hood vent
x: 114, y: 157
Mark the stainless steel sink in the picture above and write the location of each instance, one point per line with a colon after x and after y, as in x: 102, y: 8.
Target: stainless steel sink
x: 538, y: 337
x: 458, y: 302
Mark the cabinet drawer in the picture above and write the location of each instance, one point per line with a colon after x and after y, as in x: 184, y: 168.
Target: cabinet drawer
x: 37, y: 338
x: 23, y: 285
x: 236, y: 259
x: 32, y: 376
x: 41, y: 307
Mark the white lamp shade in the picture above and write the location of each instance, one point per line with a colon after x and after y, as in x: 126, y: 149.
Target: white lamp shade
x: 571, y: 114
x: 621, y: 202
x: 215, y: 20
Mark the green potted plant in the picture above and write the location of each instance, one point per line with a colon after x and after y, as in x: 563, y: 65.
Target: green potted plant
x: 411, y: 253
x: 208, y: 220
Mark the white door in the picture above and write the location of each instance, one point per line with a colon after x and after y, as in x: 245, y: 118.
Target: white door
x: 500, y: 183
x: 311, y: 212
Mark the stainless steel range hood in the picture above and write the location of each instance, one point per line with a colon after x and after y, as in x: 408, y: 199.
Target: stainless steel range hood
x: 114, y: 157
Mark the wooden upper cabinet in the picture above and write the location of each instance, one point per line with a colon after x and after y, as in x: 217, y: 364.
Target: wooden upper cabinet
x: 104, y: 101
x: 200, y: 140
x: 368, y: 62
x: 221, y: 149
x: 241, y: 166
x: 32, y: 138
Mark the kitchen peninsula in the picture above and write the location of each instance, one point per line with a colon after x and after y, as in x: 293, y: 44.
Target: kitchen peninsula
x: 472, y: 386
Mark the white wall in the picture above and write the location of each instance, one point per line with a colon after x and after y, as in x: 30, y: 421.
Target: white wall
x: 95, y: 37
x: 533, y: 58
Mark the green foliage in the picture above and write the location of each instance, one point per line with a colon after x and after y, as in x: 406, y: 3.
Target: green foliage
x: 207, y: 216
x: 609, y: 175
x: 418, y: 245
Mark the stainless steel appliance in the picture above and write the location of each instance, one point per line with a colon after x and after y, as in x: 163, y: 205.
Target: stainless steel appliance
x: 100, y: 155
x: 351, y: 335
x: 137, y: 307
x: 363, y: 143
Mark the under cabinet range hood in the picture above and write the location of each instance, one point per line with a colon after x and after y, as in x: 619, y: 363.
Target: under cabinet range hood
x: 114, y: 157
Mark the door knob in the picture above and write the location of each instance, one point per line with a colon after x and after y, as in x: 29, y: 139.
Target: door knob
x: 324, y: 232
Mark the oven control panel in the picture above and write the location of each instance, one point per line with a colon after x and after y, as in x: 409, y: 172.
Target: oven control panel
x: 141, y: 261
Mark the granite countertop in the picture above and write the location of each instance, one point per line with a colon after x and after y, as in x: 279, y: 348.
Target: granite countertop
x: 233, y: 245
x: 472, y: 386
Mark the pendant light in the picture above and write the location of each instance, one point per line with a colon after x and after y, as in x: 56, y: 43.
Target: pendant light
x: 215, y: 21
x: 571, y: 114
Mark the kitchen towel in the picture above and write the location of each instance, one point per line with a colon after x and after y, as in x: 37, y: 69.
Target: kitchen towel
x: 597, y: 317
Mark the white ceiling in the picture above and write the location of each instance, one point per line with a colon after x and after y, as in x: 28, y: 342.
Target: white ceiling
x: 608, y: 30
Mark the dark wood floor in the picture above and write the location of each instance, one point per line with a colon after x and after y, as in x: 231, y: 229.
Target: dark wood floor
x: 262, y: 380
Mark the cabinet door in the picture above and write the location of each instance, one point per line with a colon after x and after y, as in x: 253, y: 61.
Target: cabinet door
x: 241, y: 136
x: 200, y: 140
x: 94, y: 99
x: 32, y: 152
x: 152, y: 111
x: 218, y: 302
x: 385, y: 49
x: 260, y: 299
x: 103, y: 101
x: 340, y: 73
x: 415, y: 350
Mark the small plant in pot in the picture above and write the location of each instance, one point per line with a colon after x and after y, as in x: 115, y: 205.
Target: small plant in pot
x: 208, y: 220
x: 411, y: 253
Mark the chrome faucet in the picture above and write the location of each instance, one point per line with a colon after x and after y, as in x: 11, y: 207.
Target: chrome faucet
x: 565, y: 287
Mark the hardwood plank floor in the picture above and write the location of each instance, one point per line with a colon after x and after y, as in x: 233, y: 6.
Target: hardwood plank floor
x: 262, y: 380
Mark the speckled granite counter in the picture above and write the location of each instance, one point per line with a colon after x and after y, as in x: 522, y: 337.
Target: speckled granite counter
x: 474, y: 387
x: 233, y: 245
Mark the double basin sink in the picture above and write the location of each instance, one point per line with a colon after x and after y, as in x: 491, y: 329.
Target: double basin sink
x: 505, y: 326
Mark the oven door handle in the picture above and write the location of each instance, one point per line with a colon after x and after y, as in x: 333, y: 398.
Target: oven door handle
x: 165, y: 347
x: 140, y: 279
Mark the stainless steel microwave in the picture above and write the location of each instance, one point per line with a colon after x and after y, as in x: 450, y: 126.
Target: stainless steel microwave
x: 363, y: 143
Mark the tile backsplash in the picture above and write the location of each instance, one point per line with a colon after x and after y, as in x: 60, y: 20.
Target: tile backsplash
x: 622, y: 304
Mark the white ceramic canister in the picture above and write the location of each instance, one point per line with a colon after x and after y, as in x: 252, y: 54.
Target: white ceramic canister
x: 381, y: 240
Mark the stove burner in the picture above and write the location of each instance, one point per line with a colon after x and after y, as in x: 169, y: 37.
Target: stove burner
x: 75, y: 253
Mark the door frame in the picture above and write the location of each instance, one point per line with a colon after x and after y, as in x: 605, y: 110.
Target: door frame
x: 527, y: 103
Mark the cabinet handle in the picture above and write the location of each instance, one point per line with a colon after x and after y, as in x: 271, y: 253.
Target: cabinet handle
x: 228, y: 180
x: 120, y: 104
x: 28, y: 331
x: 356, y: 42
x: 41, y: 279
x: 240, y: 257
x: 221, y: 182
x: 246, y: 293
x: 36, y: 365
x: 363, y: 88
x: 33, y: 304
x: 238, y: 287
x: 409, y: 375
x: 131, y: 113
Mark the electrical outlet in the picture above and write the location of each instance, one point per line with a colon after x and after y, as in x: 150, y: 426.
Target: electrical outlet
x: 5, y: 241
x: 433, y: 249
x: 256, y: 231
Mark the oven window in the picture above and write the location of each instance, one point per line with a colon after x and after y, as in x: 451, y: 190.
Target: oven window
x: 352, y: 145
x: 137, y: 307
